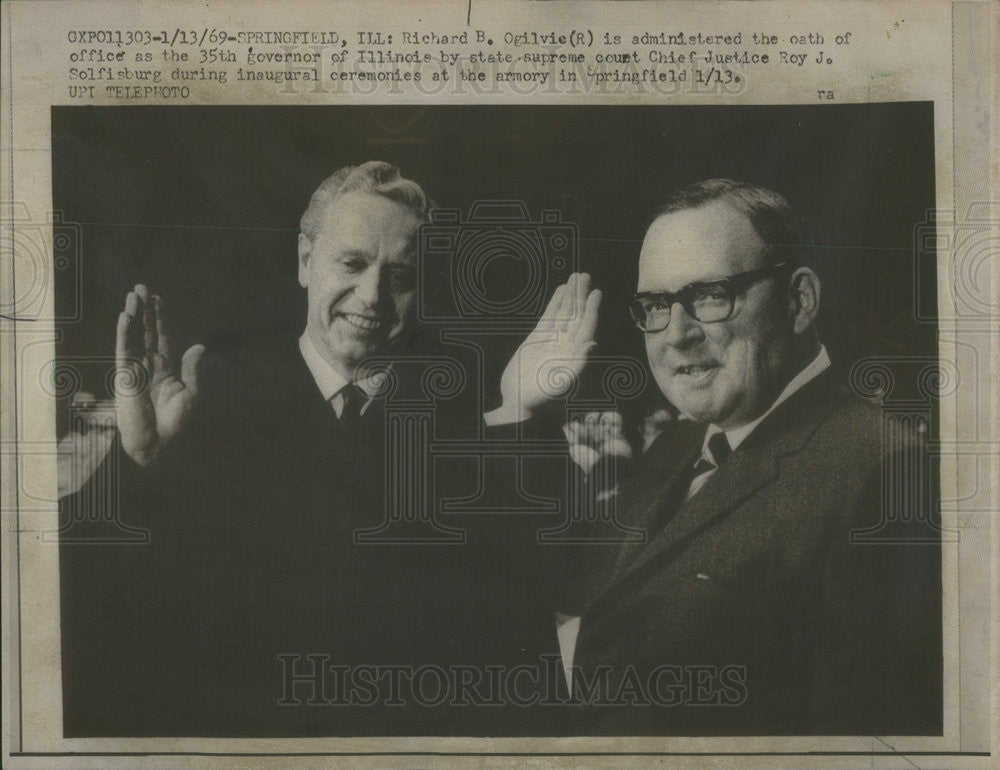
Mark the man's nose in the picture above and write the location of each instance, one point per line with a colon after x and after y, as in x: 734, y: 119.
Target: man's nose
x: 683, y: 329
x: 368, y: 287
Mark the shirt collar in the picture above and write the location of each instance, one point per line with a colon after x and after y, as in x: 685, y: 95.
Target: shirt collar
x: 737, y: 436
x: 329, y: 380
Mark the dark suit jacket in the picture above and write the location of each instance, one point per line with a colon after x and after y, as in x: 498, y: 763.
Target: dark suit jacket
x: 751, y: 611
x: 253, y: 556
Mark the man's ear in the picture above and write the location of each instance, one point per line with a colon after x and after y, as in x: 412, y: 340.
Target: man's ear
x: 305, y: 249
x: 805, y: 291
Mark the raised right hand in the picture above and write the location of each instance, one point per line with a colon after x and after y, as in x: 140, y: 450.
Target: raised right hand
x: 549, y: 361
x: 154, y: 401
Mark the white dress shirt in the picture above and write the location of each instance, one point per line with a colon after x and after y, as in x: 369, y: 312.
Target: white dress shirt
x: 331, y: 382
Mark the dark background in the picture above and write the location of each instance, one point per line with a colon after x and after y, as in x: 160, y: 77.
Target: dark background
x: 203, y: 203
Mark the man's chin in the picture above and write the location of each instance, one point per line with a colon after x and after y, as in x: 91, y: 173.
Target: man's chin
x: 347, y: 357
x: 698, y: 409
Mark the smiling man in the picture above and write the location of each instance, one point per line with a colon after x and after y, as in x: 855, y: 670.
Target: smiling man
x: 752, y: 607
x: 358, y: 264
x: 722, y: 345
x: 257, y: 609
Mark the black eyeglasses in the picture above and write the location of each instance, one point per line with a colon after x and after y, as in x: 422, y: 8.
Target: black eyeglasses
x: 705, y: 301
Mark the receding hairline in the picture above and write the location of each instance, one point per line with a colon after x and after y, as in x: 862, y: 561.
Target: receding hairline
x: 762, y: 253
x: 376, y: 178
x: 331, y: 203
x: 785, y: 234
x: 701, y: 206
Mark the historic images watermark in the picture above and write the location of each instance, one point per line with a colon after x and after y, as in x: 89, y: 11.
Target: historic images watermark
x: 317, y: 679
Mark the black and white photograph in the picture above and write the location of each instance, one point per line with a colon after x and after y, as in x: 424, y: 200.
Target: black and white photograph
x: 498, y: 421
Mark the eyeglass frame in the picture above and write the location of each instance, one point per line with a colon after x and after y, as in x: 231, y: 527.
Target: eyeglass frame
x: 736, y: 285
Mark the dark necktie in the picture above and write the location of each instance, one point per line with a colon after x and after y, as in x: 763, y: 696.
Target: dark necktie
x: 693, y: 478
x: 718, y: 450
x: 350, y: 415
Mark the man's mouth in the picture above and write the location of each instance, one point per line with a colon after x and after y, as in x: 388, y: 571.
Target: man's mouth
x: 695, y: 370
x: 363, y: 322
x: 696, y: 375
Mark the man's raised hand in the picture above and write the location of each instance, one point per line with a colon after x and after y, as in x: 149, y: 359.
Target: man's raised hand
x: 548, y: 363
x: 154, y: 401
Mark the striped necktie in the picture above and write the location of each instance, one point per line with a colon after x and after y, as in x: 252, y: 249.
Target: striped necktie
x: 718, y: 450
x: 691, y: 480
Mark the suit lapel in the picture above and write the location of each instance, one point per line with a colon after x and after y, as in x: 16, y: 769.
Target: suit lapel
x: 741, y: 476
x: 751, y: 468
x: 654, y: 480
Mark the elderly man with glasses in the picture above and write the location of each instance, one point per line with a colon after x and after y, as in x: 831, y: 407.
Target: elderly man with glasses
x: 753, y: 606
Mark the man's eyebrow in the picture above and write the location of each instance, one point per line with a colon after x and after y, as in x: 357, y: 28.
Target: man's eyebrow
x: 705, y: 282
x: 685, y: 287
x: 356, y: 253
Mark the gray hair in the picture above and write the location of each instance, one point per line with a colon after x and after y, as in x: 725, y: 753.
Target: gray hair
x: 374, y: 177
